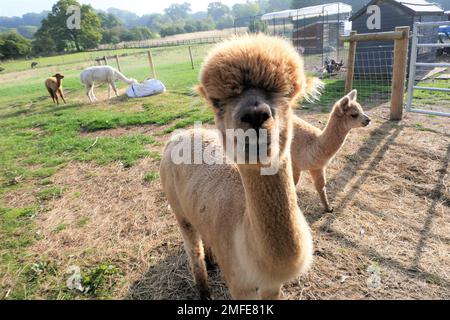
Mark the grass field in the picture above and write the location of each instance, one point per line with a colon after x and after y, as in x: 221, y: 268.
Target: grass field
x: 79, y: 188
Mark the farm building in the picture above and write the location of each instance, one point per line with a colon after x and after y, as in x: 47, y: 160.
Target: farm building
x: 386, y: 15
x: 315, y: 29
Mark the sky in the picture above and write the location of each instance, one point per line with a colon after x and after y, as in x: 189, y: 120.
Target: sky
x: 19, y: 7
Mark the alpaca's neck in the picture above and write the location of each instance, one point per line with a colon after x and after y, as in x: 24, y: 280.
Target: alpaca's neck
x: 121, y: 76
x: 333, y: 136
x: 272, y: 215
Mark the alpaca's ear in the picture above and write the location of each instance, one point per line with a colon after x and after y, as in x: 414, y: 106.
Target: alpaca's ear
x: 343, y: 105
x: 353, y: 95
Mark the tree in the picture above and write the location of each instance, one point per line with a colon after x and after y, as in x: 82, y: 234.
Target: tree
x: 218, y: 10
x: 109, y: 21
x: 244, y: 10
x: 225, y: 22
x: 13, y: 45
x: 43, y: 42
x: 27, y: 31
x: 54, y: 27
x: 128, y: 18
x: 178, y: 11
x: 276, y: 5
x: 171, y: 29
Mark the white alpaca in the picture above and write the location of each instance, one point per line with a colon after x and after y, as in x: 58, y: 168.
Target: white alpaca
x: 102, y: 74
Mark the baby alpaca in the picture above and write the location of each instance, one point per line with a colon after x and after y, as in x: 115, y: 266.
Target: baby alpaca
x: 102, y: 74
x: 54, y: 87
x: 312, y: 149
x: 251, y: 222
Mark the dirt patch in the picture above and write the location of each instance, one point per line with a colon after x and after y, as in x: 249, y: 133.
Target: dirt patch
x: 21, y: 198
x: 387, y: 239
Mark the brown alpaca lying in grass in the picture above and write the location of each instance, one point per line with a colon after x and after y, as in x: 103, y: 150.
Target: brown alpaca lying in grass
x: 251, y: 222
x: 54, y: 87
x: 312, y: 149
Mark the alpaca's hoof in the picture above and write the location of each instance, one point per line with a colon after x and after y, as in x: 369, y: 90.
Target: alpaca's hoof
x: 329, y: 210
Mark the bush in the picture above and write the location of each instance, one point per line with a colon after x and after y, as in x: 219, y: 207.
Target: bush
x: 13, y: 45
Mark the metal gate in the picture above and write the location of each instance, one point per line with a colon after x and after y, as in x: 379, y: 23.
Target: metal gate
x: 414, y: 64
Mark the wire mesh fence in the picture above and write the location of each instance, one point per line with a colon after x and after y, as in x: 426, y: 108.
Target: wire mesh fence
x: 373, y: 70
x: 317, y: 37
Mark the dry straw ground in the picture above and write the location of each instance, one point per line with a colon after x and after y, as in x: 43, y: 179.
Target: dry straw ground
x: 387, y: 239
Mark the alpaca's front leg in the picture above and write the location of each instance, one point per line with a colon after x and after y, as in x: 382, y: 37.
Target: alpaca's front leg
x: 93, y: 95
x: 89, y: 88
x: 109, y: 90
x: 113, y: 85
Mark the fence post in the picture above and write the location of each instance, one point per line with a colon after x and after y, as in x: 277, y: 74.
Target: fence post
x: 399, y: 74
x: 118, y: 63
x: 350, y: 65
x: 192, y: 60
x: 106, y: 60
x: 152, y: 65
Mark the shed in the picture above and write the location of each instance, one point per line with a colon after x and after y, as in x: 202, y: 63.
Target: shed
x: 386, y: 15
x: 316, y: 29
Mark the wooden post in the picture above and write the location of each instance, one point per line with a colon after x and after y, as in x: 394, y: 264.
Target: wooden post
x: 350, y: 65
x: 192, y: 60
x: 399, y: 74
x: 118, y: 63
x: 106, y: 60
x: 152, y: 65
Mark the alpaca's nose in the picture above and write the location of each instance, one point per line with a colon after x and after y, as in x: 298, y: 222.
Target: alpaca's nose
x: 256, y: 115
x: 367, y: 121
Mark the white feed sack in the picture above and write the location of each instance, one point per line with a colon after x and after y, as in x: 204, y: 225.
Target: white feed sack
x: 147, y: 88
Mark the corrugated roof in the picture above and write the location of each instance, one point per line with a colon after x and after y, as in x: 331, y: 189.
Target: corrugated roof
x: 310, y: 12
x: 414, y: 7
x: 420, y: 6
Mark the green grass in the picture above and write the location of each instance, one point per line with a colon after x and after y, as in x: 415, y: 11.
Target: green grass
x: 430, y: 98
x: 67, y: 59
x: 38, y: 139
x: 151, y: 176
x: 49, y: 193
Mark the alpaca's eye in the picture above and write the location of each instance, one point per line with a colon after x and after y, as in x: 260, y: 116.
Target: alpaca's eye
x: 354, y: 116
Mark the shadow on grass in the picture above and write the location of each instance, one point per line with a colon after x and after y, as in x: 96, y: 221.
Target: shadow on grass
x: 171, y: 279
x: 47, y: 110
x: 438, y: 193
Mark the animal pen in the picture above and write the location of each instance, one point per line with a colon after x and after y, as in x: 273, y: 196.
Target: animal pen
x: 317, y: 32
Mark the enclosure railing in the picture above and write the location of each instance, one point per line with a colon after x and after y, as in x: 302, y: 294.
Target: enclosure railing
x: 401, y: 38
x: 414, y: 64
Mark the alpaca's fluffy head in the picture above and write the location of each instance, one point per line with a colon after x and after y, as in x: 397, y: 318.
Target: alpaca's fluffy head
x: 58, y: 76
x: 251, y: 82
x: 349, y: 112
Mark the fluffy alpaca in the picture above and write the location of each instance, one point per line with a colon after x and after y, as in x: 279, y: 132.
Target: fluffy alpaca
x: 54, y: 87
x: 251, y: 222
x: 312, y: 149
x: 102, y: 74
